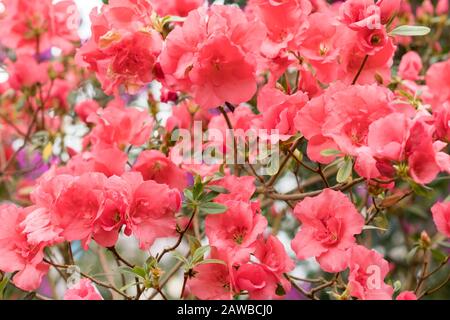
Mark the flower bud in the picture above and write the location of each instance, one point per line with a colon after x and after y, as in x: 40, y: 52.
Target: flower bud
x: 425, y: 241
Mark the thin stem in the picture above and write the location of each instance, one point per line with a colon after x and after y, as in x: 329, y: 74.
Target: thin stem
x: 301, y: 196
x: 98, y: 282
x: 435, y: 289
x: 235, y: 150
x: 360, y: 69
x: 274, y: 178
x: 423, y: 272
x: 180, y: 238
x: 185, y: 279
x: 116, y: 254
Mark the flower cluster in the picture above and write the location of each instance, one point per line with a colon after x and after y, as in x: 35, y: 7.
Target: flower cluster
x: 351, y: 97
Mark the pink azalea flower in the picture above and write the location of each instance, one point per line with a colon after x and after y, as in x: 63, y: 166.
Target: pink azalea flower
x: 340, y: 118
x: 272, y: 255
x: 378, y: 66
x: 24, y: 233
x: 39, y: 24
x: 122, y: 50
x: 441, y: 217
x: 257, y: 281
x: 120, y: 126
x: 214, y: 61
x: 154, y: 165
x: 329, y: 225
x: 321, y: 47
x: 214, y: 281
x: 285, y: 23
x: 237, y: 228
x: 76, y: 206
x: 239, y: 188
x: 152, y: 212
x: 279, y: 109
x: 367, y: 272
x: 104, y: 159
x: 84, y: 290
x: 274, y: 259
x: 398, y: 139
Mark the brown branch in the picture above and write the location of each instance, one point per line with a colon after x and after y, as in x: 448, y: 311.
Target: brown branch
x: 301, y: 196
x: 98, y: 282
x: 180, y: 238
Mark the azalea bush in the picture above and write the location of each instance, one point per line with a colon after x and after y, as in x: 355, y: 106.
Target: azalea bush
x: 262, y: 149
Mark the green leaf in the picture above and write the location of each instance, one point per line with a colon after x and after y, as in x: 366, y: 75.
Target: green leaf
x: 210, y: 196
x: 330, y: 152
x: 381, y: 222
x: 410, y: 31
x: 194, y: 244
x: 216, y: 261
x: 197, y: 190
x: 374, y: 228
x: 183, y: 259
x: 438, y: 255
x: 420, y: 190
x: 444, y: 244
x: 213, y: 208
x: 397, y: 286
x: 136, y: 271
x: 129, y: 285
x: 345, y: 171
x: 218, y: 189
x: 199, y: 253
x: 410, y: 256
x: 188, y: 195
x: 105, y: 1
x: 3, y: 285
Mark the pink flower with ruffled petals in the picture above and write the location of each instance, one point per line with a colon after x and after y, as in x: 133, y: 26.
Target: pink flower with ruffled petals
x: 329, y: 225
x: 279, y: 109
x: 260, y: 283
x: 154, y: 165
x: 237, y: 228
x: 120, y: 126
x: 340, y: 118
x: 238, y: 188
x: 29, y: 25
x: 123, y: 48
x: 215, y: 281
x: 367, y: 272
x: 213, y: 61
x: 152, y: 212
x: 24, y: 233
